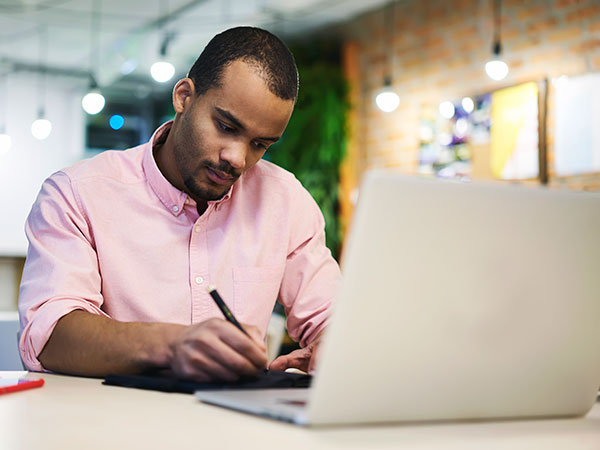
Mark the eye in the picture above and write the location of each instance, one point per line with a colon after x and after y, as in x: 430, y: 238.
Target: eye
x: 260, y: 145
x: 224, y: 127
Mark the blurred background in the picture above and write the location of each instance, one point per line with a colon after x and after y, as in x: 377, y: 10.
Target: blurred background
x: 469, y: 89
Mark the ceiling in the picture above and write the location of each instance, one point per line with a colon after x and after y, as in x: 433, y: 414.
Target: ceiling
x: 58, y: 37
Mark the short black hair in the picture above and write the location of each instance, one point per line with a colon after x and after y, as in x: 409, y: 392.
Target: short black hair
x: 255, y: 46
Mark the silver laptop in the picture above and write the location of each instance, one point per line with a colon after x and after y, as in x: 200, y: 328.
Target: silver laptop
x: 459, y: 301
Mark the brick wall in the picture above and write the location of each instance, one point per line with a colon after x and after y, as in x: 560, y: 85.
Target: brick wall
x: 436, y: 51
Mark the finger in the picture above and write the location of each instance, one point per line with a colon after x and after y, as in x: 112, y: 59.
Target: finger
x: 279, y: 363
x: 234, y: 338
x: 256, y: 335
x: 205, y: 347
x: 222, y: 363
x: 195, y: 360
x: 244, y: 345
x: 195, y: 374
x: 184, y: 369
x: 298, y: 359
x: 234, y: 360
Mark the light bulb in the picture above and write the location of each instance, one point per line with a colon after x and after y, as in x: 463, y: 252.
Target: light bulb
x: 93, y: 102
x: 5, y: 143
x: 387, y: 100
x: 468, y: 104
x: 461, y: 127
x: 447, y: 110
x: 496, y: 69
x: 162, y: 71
x: 41, y: 129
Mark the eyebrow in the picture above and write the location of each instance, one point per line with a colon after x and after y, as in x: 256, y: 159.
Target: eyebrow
x: 240, y: 125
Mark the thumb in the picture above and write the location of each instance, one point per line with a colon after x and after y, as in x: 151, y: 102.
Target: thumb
x: 280, y: 363
x: 298, y: 359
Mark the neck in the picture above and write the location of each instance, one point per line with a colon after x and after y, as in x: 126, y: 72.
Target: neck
x: 165, y: 160
x: 163, y: 155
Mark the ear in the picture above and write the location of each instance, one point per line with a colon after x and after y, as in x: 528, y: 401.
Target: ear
x: 183, y: 94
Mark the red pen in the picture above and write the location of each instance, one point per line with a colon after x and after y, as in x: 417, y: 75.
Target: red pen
x: 19, y: 385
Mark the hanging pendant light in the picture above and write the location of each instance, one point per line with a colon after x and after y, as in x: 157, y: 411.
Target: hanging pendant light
x: 496, y: 68
x: 387, y: 99
x: 162, y: 70
x: 93, y: 101
x: 42, y: 127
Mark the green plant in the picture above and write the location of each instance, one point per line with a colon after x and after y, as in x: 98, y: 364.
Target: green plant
x: 314, y: 142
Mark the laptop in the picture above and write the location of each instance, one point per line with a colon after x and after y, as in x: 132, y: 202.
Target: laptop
x: 458, y: 301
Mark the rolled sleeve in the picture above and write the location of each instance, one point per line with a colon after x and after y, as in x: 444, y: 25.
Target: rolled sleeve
x: 61, y: 271
x: 312, y: 275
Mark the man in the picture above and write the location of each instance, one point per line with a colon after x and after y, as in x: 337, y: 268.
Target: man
x: 122, y: 247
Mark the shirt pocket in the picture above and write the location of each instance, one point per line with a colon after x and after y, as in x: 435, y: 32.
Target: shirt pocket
x: 255, y: 291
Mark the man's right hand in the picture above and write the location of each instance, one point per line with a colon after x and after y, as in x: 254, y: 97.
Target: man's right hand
x: 91, y: 345
x: 217, y: 350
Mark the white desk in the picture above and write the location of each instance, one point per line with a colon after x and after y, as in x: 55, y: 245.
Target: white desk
x: 81, y: 413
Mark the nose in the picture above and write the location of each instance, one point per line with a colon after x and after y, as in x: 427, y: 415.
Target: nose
x: 235, y: 155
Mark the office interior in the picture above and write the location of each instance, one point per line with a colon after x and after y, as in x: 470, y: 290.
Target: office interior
x: 475, y: 90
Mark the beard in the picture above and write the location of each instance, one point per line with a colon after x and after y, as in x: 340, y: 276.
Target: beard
x: 205, y: 193
x: 198, y: 187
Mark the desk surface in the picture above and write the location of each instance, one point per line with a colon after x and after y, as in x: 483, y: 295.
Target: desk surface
x: 73, y: 412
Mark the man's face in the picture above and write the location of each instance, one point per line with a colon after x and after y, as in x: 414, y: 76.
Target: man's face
x: 225, y: 131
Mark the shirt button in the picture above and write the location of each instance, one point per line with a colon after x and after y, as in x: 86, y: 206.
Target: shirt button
x: 199, y: 280
x: 197, y: 229
x: 175, y: 208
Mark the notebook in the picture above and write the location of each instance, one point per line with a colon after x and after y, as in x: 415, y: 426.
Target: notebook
x: 458, y: 301
x: 166, y: 381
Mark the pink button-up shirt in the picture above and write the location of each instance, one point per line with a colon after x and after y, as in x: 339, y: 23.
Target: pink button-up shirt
x: 113, y: 237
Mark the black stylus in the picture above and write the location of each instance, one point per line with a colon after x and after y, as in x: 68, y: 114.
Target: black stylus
x: 224, y: 309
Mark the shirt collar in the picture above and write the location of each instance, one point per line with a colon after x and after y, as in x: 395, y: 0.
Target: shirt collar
x: 171, y: 197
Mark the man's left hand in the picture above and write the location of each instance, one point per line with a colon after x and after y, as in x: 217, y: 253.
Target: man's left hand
x: 304, y: 359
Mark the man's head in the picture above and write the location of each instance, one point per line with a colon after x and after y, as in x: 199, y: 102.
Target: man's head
x: 236, y: 102
x: 254, y: 46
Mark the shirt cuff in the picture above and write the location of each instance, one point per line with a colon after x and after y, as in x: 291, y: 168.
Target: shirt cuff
x: 40, y: 325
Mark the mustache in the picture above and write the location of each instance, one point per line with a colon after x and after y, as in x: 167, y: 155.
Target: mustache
x: 224, y: 167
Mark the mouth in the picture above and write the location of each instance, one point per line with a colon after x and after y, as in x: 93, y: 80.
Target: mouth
x: 219, y: 177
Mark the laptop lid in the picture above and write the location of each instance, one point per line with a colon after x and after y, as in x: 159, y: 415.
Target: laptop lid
x: 458, y: 301
x: 463, y: 301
